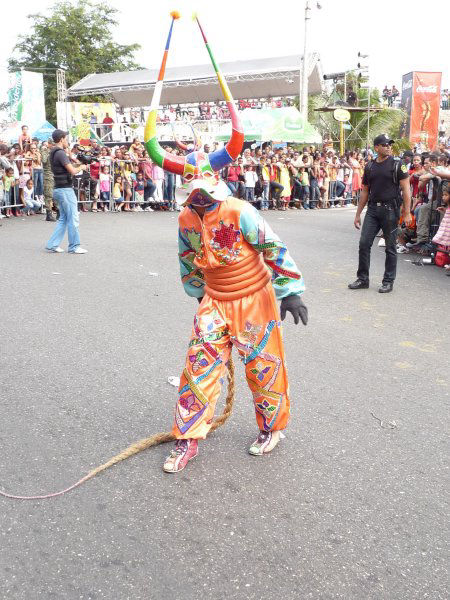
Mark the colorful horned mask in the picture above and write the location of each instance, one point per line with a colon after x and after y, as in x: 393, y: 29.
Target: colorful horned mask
x: 198, y: 169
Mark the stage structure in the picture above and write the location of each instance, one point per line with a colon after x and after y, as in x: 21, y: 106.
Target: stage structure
x: 258, y: 78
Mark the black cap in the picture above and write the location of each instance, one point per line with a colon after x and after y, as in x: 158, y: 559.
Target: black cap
x: 58, y: 135
x: 382, y: 139
x: 407, y: 153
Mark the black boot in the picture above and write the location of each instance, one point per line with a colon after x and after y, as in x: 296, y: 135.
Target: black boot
x: 49, y: 216
x: 359, y: 284
x: 386, y: 288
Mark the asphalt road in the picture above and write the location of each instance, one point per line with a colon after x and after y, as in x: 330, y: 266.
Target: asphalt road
x: 351, y: 505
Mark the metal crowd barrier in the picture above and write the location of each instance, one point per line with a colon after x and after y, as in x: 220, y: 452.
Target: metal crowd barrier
x: 83, y: 187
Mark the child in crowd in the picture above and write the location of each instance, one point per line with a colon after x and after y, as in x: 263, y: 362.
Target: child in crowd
x: 139, y: 186
x: 24, y: 176
x: 133, y: 176
x: 127, y: 183
x: 118, y: 193
x: 324, y: 184
x: 105, y: 188
x: 250, y: 180
x: 158, y: 180
x: 8, y: 181
x: 31, y: 204
x: 304, y: 182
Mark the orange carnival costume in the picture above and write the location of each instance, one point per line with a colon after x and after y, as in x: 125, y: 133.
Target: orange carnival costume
x: 237, y: 268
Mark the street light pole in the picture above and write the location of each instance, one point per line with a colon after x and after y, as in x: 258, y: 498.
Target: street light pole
x: 303, y: 98
x: 365, y: 69
x: 303, y: 95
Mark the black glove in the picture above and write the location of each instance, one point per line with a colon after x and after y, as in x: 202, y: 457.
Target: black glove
x: 199, y: 299
x: 295, y: 306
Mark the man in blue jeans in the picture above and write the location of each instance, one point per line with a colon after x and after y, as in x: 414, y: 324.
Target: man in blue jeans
x: 63, y: 193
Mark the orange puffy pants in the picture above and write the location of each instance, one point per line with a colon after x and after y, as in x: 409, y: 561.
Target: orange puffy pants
x: 251, y: 324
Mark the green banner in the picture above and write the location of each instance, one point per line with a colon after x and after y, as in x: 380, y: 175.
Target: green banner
x: 15, y: 97
x: 275, y: 125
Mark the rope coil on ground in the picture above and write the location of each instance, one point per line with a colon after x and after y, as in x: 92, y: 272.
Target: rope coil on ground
x: 137, y: 447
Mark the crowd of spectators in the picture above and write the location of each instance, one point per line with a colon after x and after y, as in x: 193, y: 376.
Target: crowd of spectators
x: 284, y: 178
x: 206, y: 111
x: 124, y: 179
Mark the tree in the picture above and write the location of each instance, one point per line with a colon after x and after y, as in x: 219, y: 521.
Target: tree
x: 75, y: 37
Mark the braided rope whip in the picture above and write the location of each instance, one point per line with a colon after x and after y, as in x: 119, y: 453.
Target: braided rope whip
x: 154, y: 440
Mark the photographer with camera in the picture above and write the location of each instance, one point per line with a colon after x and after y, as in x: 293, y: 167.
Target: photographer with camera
x: 90, y: 156
x: 63, y: 171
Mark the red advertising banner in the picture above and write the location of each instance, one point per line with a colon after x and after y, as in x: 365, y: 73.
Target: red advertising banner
x: 426, y: 97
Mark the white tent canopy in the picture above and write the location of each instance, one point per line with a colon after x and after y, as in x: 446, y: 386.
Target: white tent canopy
x: 257, y: 78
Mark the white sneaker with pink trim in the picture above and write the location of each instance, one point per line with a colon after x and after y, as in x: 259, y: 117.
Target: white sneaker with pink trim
x: 265, y: 442
x: 184, y: 451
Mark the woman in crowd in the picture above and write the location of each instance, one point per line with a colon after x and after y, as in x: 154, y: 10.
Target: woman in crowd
x: 357, y: 177
x: 284, y: 179
x: 38, y: 171
x: 276, y: 189
x: 232, y: 173
x: 415, y: 172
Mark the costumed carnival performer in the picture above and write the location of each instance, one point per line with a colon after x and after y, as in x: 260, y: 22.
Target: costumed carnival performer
x: 237, y: 268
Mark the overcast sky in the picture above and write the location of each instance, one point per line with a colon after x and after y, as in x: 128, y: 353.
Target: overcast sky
x: 399, y: 36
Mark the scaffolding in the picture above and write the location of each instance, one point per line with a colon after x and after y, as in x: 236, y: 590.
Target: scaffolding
x: 61, y: 87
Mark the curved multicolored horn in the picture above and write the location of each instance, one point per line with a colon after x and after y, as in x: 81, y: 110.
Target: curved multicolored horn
x: 223, y: 157
x: 177, y: 164
x: 167, y: 161
x: 185, y: 147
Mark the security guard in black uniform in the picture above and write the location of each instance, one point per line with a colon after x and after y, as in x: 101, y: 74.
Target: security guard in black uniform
x: 380, y: 187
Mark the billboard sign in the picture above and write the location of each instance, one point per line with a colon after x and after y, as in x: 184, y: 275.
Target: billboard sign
x: 406, y: 101
x: 425, y: 109
x: 421, y: 96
